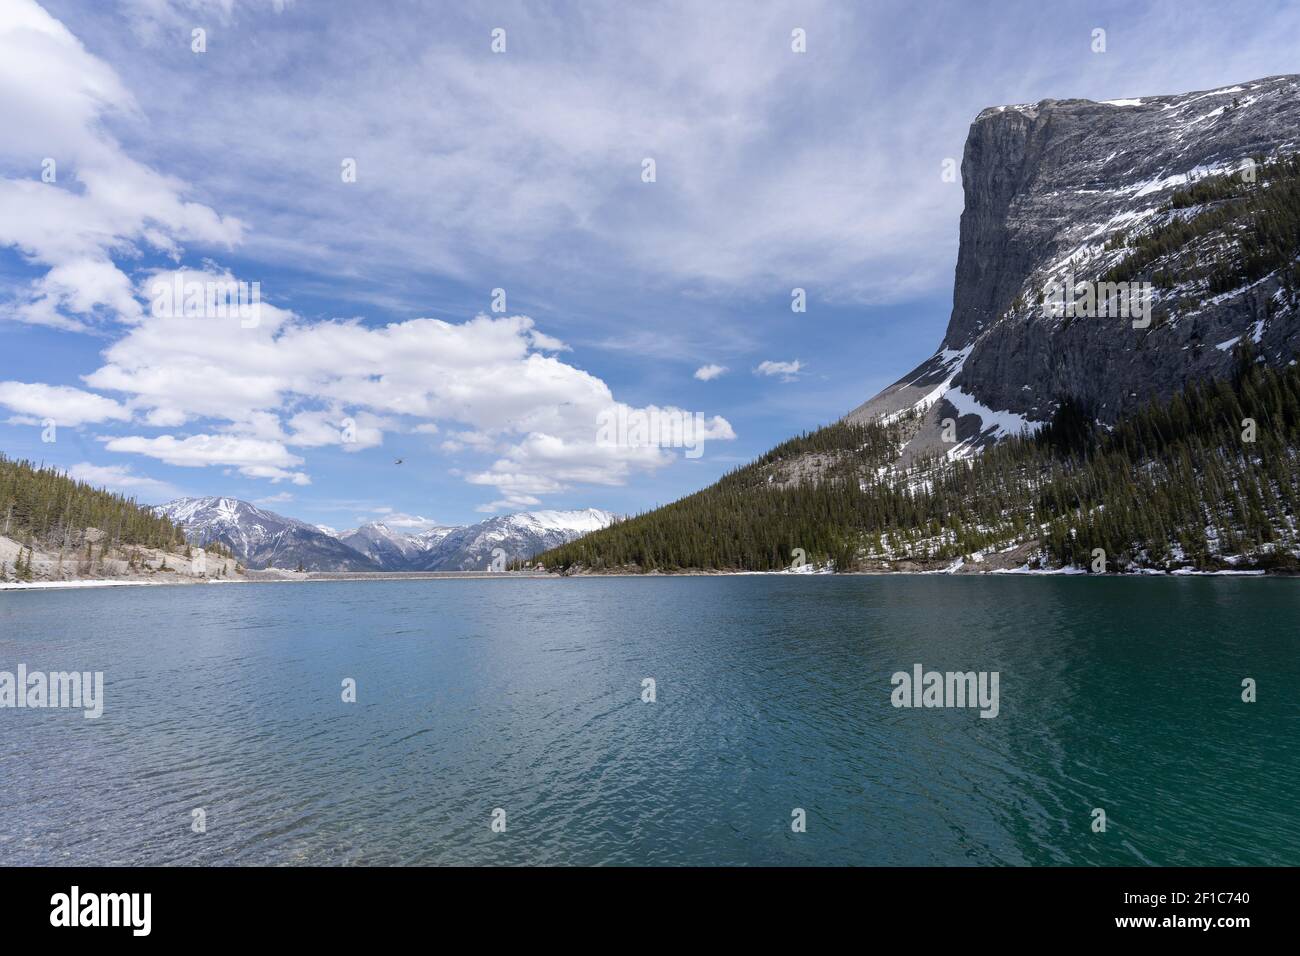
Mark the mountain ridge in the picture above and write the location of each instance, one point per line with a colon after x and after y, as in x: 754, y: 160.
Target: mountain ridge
x: 1160, y: 437
x: 262, y: 538
x: 1064, y: 187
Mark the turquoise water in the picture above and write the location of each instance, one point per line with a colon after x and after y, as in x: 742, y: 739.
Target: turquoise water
x: 773, y: 693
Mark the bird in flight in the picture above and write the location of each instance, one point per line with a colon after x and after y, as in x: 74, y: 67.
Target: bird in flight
x: 397, y: 461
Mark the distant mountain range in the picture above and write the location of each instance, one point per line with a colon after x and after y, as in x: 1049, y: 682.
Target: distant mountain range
x: 262, y: 539
x: 471, y: 548
x: 393, y: 550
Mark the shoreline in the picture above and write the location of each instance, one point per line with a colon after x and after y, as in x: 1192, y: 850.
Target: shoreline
x: 318, y: 577
x: 270, y: 577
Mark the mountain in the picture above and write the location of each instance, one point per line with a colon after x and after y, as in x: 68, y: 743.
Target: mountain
x: 392, y: 550
x: 1170, y: 190
x: 262, y: 539
x: 520, y: 536
x: 471, y: 548
x: 1159, y: 432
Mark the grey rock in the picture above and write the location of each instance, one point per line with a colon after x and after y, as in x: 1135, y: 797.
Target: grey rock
x: 1046, y: 187
x: 260, y: 538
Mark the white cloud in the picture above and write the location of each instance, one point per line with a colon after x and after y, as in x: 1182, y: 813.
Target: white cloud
x: 252, y: 457
x: 289, y: 382
x: 351, y: 432
x: 788, y: 371
x: 66, y: 406
x: 707, y: 373
x: 102, y: 204
x: 253, y: 393
x: 767, y: 168
x: 156, y: 20
x: 120, y: 478
x: 537, y: 154
x: 509, y: 503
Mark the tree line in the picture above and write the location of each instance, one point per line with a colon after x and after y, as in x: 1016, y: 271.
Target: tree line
x: 42, y: 504
x: 1189, y: 482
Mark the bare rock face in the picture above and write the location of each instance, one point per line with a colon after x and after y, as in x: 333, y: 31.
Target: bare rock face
x: 260, y: 538
x: 1064, y: 191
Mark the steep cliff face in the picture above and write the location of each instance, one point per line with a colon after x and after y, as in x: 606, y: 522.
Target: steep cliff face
x: 1182, y: 215
x: 1073, y: 191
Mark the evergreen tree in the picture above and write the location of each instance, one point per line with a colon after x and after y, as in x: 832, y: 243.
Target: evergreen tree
x: 1174, y: 479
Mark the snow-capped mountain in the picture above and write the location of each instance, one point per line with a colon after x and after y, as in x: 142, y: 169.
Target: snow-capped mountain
x: 262, y: 539
x: 520, y: 536
x: 430, y: 538
x: 473, y: 547
x: 392, y: 550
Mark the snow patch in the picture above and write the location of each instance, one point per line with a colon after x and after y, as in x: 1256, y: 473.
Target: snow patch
x: 1003, y: 423
x: 951, y: 361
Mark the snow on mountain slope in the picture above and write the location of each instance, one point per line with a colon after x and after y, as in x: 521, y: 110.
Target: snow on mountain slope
x: 260, y: 538
x: 520, y: 536
x: 428, y: 539
x: 472, y: 548
x: 579, y: 522
x: 392, y: 550
x: 1066, y: 191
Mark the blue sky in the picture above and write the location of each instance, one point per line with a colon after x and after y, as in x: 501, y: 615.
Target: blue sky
x: 520, y: 170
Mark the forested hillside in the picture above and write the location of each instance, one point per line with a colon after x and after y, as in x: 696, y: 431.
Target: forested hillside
x: 1208, y: 480
x: 1223, y: 232
x: 46, y: 505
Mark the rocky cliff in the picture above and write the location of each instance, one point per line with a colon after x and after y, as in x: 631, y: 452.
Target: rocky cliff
x: 260, y: 538
x: 1123, y: 266
x: 1075, y: 191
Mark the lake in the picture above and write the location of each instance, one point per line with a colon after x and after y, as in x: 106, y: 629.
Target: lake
x: 772, y: 694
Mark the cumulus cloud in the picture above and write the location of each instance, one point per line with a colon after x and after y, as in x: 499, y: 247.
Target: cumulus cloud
x: 707, y: 373
x: 251, y: 457
x: 256, y: 397
x: 35, y: 402
x: 351, y: 432
x: 76, y: 200
x: 288, y: 382
x: 121, y: 478
x: 787, y: 371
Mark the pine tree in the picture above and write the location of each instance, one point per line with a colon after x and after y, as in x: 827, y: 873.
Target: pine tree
x: 1151, y: 485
